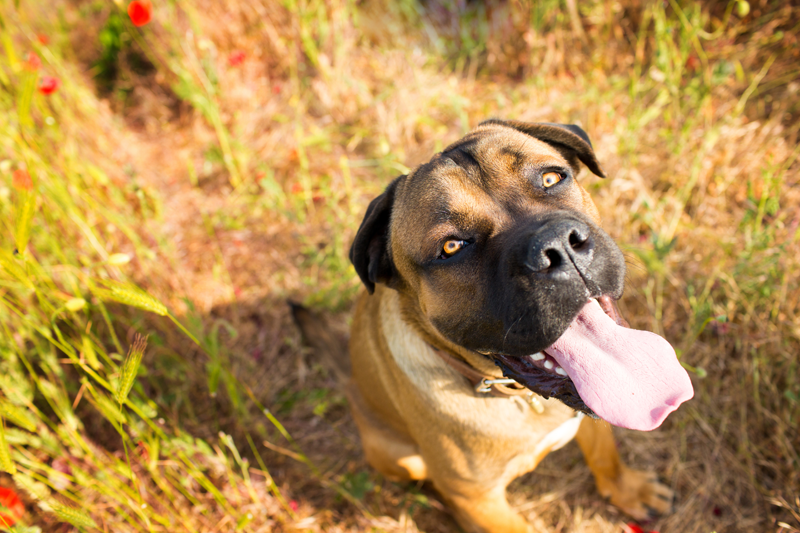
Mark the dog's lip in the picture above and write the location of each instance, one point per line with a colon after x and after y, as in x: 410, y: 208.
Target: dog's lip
x: 541, y: 373
x: 546, y: 383
x: 544, y: 361
x: 607, y: 303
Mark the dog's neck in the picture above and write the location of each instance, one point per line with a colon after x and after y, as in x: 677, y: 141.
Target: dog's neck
x: 484, y: 376
x: 418, y: 322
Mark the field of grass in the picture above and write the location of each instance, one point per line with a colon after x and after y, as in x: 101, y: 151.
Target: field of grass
x: 165, y: 188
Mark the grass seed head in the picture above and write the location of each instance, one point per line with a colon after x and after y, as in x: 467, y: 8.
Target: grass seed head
x: 6, y: 464
x: 118, y: 259
x: 35, y: 489
x: 130, y: 368
x: 12, y: 267
x: 128, y: 294
x: 75, y: 304
x: 74, y: 516
x: 88, y: 352
x: 14, y: 414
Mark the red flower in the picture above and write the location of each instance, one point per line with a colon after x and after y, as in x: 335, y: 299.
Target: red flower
x: 42, y: 38
x: 720, y: 328
x: 236, y: 58
x: 297, y: 188
x: 33, y: 62
x: 9, y: 501
x: 48, y: 85
x: 144, y: 453
x: 633, y: 528
x: 293, y: 505
x: 140, y: 12
x: 21, y: 180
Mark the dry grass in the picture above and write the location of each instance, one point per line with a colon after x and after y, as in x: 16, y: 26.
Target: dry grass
x: 235, y: 187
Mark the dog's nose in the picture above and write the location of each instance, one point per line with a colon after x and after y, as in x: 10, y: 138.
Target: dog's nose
x: 560, y: 245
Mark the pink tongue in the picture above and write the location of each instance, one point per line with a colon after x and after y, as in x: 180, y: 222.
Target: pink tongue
x: 630, y: 378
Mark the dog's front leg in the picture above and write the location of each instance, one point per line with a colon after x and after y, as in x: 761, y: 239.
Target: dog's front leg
x: 635, y: 492
x: 481, y: 509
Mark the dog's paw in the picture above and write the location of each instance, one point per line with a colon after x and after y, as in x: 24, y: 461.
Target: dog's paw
x: 638, y: 494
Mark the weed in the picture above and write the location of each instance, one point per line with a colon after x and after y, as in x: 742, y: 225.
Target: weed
x: 192, y: 232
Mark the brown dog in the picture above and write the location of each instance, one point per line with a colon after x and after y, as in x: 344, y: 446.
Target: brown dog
x: 488, y: 261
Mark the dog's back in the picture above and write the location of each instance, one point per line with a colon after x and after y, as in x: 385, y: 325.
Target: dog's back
x: 327, y: 342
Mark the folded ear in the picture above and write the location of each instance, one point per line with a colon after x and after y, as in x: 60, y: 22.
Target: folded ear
x: 569, y: 139
x: 370, y: 253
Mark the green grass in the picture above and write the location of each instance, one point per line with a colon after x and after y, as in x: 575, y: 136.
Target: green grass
x: 202, y: 195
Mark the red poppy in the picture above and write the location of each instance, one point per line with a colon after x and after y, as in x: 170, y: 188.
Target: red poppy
x: 297, y: 188
x: 140, y: 12
x: 144, y: 453
x: 633, y: 528
x: 33, y: 62
x: 236, y: 58
x: 42, y: 38
x: 9, y: 501
x: 293, y: 505
x: 21, y: 180
x: 720, y: 328
x: 48, y: 85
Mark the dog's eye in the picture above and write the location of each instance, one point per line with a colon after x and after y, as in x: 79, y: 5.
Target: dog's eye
x: 551, y: 178
x: 451, y: 247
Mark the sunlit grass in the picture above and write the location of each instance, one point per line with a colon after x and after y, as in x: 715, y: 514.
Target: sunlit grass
x: 332, y: 100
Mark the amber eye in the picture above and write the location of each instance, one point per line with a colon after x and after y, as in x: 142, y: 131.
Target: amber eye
x: 452, y: 246
x: 551, y: 178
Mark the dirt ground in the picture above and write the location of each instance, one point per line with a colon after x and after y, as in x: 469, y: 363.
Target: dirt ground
x: 330, y: 135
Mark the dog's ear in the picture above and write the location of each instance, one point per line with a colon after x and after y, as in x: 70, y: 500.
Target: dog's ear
x: 570, y: 139
x: 370, y: 253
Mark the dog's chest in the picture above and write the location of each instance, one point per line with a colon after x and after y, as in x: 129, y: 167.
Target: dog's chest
x: 450, y: 402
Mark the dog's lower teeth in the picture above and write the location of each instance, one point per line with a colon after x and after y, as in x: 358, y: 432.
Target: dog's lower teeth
x: 548, y: 364
x: 538, y: 356
x: 560, y: 371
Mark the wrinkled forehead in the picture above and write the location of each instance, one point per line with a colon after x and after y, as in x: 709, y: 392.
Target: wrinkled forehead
x: 497, y: 151
x: 483, y: 178
x: 491, y: 166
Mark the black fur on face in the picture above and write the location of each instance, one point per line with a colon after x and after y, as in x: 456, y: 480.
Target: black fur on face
x: 524, y: 286
x: 541, y: 283
x: 532, y: 256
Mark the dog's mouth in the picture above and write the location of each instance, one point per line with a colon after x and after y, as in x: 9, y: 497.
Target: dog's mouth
x: 600, y: 366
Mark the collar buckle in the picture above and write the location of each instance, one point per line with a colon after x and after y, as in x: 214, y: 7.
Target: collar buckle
x: 485, y: 385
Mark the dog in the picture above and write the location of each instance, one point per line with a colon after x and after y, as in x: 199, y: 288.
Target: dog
x: 488, y: 333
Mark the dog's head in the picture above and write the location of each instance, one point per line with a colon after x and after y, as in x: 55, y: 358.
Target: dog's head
x: 500, y: 249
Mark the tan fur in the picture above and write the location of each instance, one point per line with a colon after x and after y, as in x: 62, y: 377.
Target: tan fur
x: 421, y: 419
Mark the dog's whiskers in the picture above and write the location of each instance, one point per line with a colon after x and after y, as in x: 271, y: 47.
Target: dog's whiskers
x: 510, y: 328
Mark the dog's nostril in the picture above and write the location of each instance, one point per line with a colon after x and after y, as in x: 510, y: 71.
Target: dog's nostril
x: 554, y: 257
x: 559, y: 247
x: 576, y: 240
